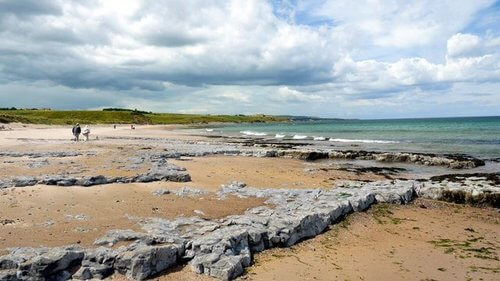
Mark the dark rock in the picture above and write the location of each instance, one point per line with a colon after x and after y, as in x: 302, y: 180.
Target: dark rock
x: 24, y: 181
x: 492, y: 177
x: 93, y: 181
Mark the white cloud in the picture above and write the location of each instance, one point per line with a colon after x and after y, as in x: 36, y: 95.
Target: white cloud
x: 234, y: 96
x: 172, y: 54
x: 402, y: 24
x: 285, y: 94
x: 462, y: 45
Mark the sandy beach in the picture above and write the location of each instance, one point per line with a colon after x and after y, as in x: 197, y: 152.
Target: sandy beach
x: 424, y: 240
x: 249, y: 140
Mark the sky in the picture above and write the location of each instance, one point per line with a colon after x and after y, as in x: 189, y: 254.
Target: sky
x: 325, y: 58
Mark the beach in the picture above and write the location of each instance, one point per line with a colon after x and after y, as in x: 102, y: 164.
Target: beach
x: 159, y: 201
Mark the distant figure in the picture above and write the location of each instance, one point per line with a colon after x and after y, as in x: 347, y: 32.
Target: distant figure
x: 86, y: 132
x: 132, y: 127
x: 76, y: 131
x: 114, y: 126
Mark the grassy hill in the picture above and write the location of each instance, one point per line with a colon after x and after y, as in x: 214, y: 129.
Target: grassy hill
x: 121, y: 116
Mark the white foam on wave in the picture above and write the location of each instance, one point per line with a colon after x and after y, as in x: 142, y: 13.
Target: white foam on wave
x: 299, y: 137
x: 209, y: 130
x: 319, y: 138
x: 252, y: 133
x: 279, y: 136
x: 363, y: 141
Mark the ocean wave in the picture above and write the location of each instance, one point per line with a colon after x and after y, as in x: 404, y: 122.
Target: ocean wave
x: 299, y: 137
x: 252, y: 133
x: 279, y: 136
x: 319, y: 138
x: 363, y: 141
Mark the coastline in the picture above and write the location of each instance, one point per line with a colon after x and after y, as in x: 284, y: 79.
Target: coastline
x: 160, y: 154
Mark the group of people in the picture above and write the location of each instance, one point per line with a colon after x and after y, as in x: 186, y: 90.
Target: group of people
x: 77, y: 130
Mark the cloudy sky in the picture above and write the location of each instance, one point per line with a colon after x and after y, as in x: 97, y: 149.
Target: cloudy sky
x: 329, y: 58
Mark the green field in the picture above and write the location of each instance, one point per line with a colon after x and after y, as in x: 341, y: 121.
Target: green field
x: 65, y: 117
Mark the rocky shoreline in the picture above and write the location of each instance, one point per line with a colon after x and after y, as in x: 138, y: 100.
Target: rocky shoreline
x: 161, y: 170
x: 223, y: 248
x: 454, y: 161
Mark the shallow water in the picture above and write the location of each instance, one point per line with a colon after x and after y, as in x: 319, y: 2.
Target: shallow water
x: 476, y: 136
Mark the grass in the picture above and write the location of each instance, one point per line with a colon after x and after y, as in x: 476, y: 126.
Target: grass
x: 66, y: 117
x: 382, y: 214
x: 466, y: 248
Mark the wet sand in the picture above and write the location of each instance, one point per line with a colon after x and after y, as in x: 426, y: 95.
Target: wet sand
x: 57, y: 216
x: 211, y: 172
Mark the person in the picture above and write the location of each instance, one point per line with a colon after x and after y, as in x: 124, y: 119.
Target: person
x: 86, y: 132
x: 114, y: 126
x: 76, y: 131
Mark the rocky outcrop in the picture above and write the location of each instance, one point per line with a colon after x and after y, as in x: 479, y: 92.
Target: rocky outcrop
x: 160, y: 171
x: 455, y: 161
x: 137, y: 262
x: 177, y: 149
x: 40, y: 264
x: 197, y: 149
x: 223, y: 248
x: 49, y: 154
x: 474, y: 189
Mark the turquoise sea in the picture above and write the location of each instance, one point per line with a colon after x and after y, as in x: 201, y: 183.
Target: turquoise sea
x: 477, y: 136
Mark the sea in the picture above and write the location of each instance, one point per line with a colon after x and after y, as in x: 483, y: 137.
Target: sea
x: 475, y: 136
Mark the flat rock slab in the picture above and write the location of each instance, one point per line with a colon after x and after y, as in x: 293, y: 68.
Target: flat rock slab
x: 160, y: 170
x: 223, y: 248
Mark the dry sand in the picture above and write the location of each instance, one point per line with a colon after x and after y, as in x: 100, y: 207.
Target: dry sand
x: 394, y: 243
x: 26, y: 133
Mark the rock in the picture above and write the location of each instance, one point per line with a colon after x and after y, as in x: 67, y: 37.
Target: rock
x: 97, y: 264
x: 55, y: 154
x: 58, y: 180
x: 51, y: 265
x: 227, y: 268
x: 147, y: 261
x: 8, y: 275
x: 78, y: 217
x: 24, y: 181
x: 190, y: 192
x: 223, y: 248
x: 114, y: 236
x: 160, y: 192
x: 93, y: 181
x: 198, y: 212
x: 38, y: 164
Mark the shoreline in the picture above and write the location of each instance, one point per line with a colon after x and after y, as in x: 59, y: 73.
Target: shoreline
x: 280, y: 177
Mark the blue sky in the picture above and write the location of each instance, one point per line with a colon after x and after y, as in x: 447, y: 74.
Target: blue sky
x: 338, y: 58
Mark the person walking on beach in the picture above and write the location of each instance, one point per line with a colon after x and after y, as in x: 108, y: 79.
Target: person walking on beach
x: 86, y: 132
x: 76, y: 131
